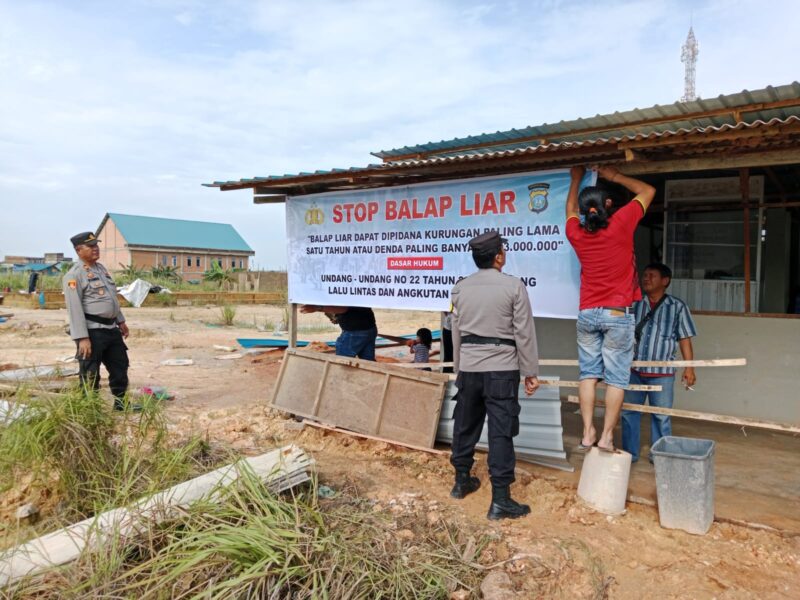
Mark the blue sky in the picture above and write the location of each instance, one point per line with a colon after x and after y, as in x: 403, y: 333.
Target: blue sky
x: 129, y: 106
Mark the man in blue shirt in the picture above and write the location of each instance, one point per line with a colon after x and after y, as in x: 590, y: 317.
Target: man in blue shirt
x: 663, y: 323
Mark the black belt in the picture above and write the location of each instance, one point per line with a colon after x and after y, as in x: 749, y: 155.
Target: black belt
x: 479, y: 339
x: 101, y: 320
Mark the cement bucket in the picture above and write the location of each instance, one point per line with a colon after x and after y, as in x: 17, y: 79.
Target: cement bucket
x: 604, y: 480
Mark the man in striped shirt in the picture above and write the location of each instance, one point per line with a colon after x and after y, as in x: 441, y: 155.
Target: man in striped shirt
x: 663, y: 323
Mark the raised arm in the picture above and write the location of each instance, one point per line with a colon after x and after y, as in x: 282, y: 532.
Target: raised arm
x: 576, y: 174
x: 643, y: 191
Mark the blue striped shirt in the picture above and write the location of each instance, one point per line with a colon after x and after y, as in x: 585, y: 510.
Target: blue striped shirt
x: 670, y: 323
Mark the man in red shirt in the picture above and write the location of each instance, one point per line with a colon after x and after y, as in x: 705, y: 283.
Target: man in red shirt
x: 603, y: 240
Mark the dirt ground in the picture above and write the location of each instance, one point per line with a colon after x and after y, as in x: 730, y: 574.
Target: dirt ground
x: 562, y: 549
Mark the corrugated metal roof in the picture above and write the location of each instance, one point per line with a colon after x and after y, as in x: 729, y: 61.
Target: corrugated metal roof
x: 674, y: 113
x: 649, y: 133
x: 177, y: 233
x: 631, y: 136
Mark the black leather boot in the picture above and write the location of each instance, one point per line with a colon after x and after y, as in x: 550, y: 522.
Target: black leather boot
x: 503, y: 507
x: 465, y: 484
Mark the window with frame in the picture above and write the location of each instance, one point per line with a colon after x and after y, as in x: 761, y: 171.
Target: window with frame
x: 174, y: 261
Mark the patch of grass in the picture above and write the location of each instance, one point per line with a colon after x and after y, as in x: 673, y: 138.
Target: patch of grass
x: 91, y: 457
x: 228, y: 314
x: 250, y: 543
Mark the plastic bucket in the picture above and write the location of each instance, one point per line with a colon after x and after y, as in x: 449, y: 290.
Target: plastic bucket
x: 685, y: 483
x: 604, y: 480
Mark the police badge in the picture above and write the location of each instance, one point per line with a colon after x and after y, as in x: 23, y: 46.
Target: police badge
x: 538, y: 196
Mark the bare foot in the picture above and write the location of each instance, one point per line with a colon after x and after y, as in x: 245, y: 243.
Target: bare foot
x: 606, y: 444
x: 589, y: 438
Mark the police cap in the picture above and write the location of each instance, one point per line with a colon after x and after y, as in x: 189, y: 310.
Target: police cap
x: 487, y: 242
x: 86, y: 238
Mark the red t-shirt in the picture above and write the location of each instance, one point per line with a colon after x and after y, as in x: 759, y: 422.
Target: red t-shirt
x: 608, y: 265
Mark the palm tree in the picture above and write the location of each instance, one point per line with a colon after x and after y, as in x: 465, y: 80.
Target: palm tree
x: 216, y: 274
x: 131, y: 272
x: 166, y: 273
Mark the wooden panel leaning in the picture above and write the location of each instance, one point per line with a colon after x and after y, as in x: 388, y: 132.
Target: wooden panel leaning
x: 367, y: 397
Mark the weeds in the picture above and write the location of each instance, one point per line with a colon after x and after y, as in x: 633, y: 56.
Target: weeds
x: 92, y: 460
x: 228, y: 314
x: 250, y: 543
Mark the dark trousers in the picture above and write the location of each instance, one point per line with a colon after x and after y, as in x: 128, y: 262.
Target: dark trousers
x: 108, y: 348
x: 496, y: 394
x: 447, y: 349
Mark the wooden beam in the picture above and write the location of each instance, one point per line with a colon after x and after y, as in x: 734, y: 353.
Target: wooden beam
x: 724, y: 162
x: 269, y: 199
x: 292, y: 325
x: 744, y: 184
x: 374, y: 438
x: 563, y: 383
x: 701, y: 416
x: 567, y: 362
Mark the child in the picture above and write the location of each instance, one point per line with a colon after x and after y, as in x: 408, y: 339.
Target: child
x: 421, y: 347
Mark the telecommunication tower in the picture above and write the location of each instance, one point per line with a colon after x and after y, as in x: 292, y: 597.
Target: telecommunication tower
x: 689, y: 52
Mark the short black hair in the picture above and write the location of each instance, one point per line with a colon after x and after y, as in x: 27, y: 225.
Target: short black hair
x: 661, y: 268
x: 485, y: 259
x: 425, y: 336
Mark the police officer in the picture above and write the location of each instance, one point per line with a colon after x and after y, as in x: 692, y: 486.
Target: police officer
x: 96, y: 322
x: 494, y: 341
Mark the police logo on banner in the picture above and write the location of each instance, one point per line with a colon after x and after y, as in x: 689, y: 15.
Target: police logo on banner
x: 538, y: 196
x: 314, y: 216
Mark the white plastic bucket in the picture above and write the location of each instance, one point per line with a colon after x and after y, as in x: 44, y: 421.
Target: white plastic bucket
x: 604, y: 480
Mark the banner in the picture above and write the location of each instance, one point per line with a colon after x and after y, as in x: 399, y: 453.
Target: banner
x: 406, y: 247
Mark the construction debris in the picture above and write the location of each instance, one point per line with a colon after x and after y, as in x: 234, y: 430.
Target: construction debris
x: 280, y: 469
x: 361, y: 395
x: 177, y: 362
x: 40, y: 372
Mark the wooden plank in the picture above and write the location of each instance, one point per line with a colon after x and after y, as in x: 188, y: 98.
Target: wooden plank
x: 379, y: 416
x: 363, y: 396
x: 296, y: 390
x: 574, y: 384
x: 375, y: 438
x: 722, y: 161
x: 292, y: 325
x: 407, y: 412
x: 318, y: 396
x: 701, y: 416
x: 558, y: 362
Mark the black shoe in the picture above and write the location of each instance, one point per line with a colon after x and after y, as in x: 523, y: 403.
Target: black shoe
x: 503, y: 507
x: 127, y: 407
x: 465, y: 484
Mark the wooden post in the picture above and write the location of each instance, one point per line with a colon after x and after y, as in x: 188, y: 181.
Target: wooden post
x: 744, y: 184
x: 292, y: 324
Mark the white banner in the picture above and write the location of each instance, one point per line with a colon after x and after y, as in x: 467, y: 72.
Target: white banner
x: 406, y: 247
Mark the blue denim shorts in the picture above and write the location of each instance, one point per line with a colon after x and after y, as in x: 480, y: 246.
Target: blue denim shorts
x: 359, y: 344
x: 605, y: 345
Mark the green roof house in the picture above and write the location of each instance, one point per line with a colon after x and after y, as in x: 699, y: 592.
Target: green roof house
x: 189, y: 246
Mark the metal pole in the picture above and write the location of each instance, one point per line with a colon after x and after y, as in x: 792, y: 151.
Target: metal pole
x: 744, y: 184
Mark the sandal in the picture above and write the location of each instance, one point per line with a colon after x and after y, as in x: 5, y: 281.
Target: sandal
x: 610, y: 450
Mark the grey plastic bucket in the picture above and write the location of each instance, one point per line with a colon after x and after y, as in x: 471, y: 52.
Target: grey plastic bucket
x: 684, y: 483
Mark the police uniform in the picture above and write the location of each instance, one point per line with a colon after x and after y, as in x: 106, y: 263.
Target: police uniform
x: 94, y: 313
x: 494, y: 342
